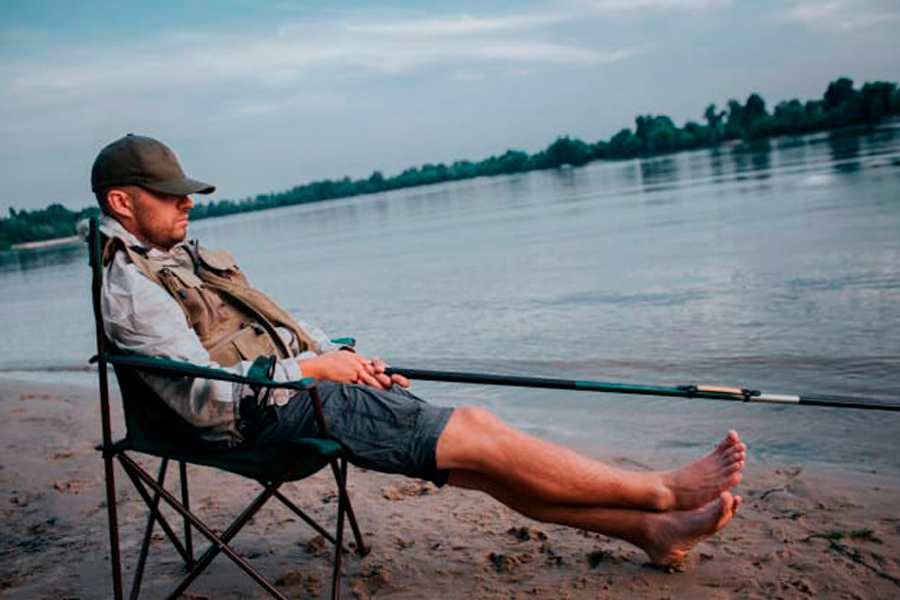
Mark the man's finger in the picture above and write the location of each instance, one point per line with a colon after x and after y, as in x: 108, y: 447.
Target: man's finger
x: 400, y: 380
x: 384, y: 380
x: 371, y: 381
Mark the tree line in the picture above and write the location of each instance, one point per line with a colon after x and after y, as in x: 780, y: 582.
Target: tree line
x: 842, y: 105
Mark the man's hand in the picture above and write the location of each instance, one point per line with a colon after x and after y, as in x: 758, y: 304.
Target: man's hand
x: 381, y: 367
x: 349, y: 367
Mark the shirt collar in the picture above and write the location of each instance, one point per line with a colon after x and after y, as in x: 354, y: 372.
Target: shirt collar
x: 112, y: 228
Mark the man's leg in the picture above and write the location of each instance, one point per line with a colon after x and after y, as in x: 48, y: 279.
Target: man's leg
x: 476, y: 441
x: 666, y: 537
x: 663, y: 513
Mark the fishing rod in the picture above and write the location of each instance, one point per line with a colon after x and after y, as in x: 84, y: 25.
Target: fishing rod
x: 707, y: 392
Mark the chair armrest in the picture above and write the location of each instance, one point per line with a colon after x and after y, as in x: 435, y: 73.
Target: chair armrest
x: 345, y: 343
x: 166, y: 366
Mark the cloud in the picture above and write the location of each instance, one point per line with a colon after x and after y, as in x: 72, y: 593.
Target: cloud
x: 317, y: 52
x: 656, y: 5
x: 868, y: 20
x: 457, y: 25
x: 838, y: 15
x: 187, y: 61
x: 299, y: 68
x: 810, y: 12
x: 469, y: 76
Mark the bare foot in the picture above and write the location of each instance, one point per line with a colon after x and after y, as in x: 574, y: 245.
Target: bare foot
x: 672, y: 535
x: 700, y: 482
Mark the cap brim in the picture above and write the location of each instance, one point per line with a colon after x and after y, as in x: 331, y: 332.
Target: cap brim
x: 180, y: 187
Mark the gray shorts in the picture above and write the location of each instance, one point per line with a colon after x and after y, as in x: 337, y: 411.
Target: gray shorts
x: 390, y: 431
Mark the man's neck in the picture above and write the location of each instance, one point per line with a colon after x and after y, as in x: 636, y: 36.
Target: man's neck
x: 112, y: 227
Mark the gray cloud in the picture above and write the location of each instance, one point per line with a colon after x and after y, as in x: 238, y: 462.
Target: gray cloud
x: 292, y: 54
x: 839, y: 15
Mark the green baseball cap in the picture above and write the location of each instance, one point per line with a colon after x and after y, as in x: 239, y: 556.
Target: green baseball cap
x: 145, y: 162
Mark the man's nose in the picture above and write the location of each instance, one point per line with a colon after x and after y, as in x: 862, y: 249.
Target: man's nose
x: 186, y: 202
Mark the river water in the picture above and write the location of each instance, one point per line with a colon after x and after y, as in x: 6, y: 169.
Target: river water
x: 775, y: 268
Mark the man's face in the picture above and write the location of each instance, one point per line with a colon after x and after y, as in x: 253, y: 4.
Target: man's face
x: 158, y: 219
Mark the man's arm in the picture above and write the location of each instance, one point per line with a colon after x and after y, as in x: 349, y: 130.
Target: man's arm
x: 140, y: 316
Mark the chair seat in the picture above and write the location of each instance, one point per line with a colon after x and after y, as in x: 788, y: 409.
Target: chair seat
x: 263, y: 463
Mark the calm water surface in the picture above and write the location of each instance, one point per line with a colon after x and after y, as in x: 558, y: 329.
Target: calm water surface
x: 775, y: 268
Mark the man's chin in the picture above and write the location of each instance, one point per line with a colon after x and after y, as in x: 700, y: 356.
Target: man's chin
x: 178, y: 236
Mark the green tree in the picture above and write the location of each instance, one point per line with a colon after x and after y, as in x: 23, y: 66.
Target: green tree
x: 513, y: 161
x: 657, y: 134
x: 625, y: 145
x: 838, y: 93
x: 464, y: 169
x: 754, y: 110
x: 714, y: 121
x: 600, y: 150
x: 734, y: 126
x: 697, y: 135
x: 876, y: 100
x: 790, y: 117
x: 566, y: 151
x: 375, y: 183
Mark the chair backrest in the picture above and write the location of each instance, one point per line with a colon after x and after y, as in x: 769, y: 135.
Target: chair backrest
x: 149, y: 422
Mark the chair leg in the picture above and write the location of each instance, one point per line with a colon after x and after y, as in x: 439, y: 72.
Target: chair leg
x: 185, y: 500
x: 340, y: 476
x: 340, y: 473
x: 136, y: 473
x: 219, y: 543
x: 306, y: 518
x: 113, y: 524
x: 148, y: 532
x: 109, y: 469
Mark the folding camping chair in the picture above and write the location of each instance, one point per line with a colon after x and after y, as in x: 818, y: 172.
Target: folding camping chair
x: 271, y: 467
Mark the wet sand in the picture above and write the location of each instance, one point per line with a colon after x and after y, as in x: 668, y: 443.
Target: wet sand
x: 802, y: 533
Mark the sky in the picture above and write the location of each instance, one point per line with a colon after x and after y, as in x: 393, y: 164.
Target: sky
x: 260, y: 96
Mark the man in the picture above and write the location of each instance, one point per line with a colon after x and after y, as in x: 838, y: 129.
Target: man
x: 168, y: 298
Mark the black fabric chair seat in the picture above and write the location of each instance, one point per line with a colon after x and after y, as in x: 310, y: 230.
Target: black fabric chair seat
x: 262, y: 464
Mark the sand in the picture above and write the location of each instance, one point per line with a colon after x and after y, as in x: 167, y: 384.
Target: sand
x: 802, y: 533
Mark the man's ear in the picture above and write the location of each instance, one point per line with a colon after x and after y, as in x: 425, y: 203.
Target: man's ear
x: 120, y: 204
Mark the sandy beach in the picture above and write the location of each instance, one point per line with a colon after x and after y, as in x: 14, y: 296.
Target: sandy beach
x: 801, y: 533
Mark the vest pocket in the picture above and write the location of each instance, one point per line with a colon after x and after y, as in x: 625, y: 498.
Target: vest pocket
x: 205, y: 310
x: 246, y: 343
x: 221, y: 264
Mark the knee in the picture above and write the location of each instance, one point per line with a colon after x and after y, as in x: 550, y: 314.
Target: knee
x: 476, y: 419
x: 474, y: 440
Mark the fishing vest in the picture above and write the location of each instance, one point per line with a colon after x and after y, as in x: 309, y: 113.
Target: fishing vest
x: 233, y: 320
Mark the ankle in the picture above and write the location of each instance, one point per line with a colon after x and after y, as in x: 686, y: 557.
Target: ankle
x: 661, y: 495
x: 654, y: 539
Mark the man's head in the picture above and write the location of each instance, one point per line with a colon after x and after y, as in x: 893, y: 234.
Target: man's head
x: 138, y: 181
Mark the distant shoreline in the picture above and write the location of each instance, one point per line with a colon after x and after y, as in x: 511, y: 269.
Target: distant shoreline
x: 50, y: 243
x: 843, y: 109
